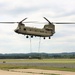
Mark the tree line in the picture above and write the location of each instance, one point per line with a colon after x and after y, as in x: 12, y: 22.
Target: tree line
x: 37, y: 55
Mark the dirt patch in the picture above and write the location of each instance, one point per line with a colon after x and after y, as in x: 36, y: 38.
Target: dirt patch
x: 4, y: 72
x: 43, y: 72
x: 34, y: 72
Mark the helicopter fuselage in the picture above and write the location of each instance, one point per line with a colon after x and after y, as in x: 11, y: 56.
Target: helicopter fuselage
x: 46, y: 31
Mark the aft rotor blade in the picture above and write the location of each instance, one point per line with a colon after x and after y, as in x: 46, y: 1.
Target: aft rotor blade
x: 63, y: 22
x: 47, y: 20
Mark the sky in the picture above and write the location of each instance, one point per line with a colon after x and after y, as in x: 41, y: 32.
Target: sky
x: 55, y: 10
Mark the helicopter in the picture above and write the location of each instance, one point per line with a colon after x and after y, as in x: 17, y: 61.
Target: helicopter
x: 47, y: 31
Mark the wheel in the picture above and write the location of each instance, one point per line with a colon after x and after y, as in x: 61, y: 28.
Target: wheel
x: 44, y: 37
x: 27, y: 36
x: 31, y: 36
x: 49, y: 37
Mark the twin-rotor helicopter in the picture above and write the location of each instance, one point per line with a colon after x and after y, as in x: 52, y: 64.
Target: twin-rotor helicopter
x: 47, y: 31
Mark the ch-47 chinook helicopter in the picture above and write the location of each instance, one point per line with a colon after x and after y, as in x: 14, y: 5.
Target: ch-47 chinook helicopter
x: 47, y: 31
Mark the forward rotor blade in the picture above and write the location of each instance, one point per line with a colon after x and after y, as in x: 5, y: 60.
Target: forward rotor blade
x: 23, y: 19
x: 13, y: 22
x: 9, y: 22
x: 36, y: 22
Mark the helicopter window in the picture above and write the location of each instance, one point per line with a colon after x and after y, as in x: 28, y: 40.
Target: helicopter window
x: 48, y: 29
x: 42, y: 31
x: 24, y: 28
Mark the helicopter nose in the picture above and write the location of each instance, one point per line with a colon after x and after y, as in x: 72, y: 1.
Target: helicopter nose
x: 16, y: 30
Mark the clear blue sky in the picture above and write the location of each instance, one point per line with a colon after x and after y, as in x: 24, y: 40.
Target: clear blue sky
x: 55, y: 10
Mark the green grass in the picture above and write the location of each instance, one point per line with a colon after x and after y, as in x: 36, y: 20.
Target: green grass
x: 14, y: 66
x: 39, y: 61
x: 5, y: 66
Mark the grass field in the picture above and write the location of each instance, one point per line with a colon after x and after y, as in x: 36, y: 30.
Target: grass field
x: 58, y: 64
x: 38, y: 61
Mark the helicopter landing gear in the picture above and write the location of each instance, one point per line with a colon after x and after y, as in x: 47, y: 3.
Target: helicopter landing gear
x: 49, y: 37
x: 31, y: 36
x: 44, y: 38
x: 27, y: 36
